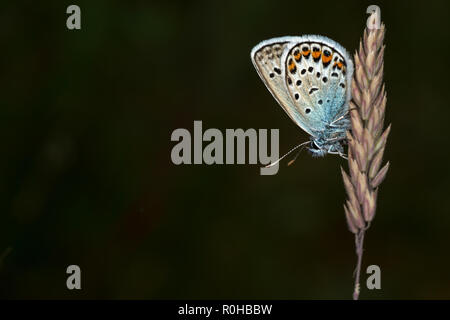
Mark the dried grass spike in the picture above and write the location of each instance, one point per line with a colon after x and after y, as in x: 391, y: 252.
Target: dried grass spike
x: 367, y: 140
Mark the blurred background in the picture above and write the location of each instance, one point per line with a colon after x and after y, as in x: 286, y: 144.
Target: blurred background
x: 86, y: 176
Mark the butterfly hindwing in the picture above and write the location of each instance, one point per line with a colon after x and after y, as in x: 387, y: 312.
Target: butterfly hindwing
x: 318, y: 76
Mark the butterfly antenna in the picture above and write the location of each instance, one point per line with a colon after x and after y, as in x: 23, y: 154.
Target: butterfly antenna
x: 290, y: 151
x: 296, y: 156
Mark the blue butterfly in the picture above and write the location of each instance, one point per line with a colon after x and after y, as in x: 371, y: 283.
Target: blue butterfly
x: 310, y: 77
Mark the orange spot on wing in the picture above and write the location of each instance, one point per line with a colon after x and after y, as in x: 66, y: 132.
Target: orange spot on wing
x: 305, y: 53
x: 291, y: 66
x: 297, y: 56
x: 316, y: 54
x: 326, y: 59
x: 338, y: 64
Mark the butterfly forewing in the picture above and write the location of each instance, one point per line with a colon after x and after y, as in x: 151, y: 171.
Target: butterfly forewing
x: 266, y: 58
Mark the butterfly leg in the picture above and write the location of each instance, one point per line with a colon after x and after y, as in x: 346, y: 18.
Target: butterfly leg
x: 339, y: 153
x: 335, y: 123
x: 344, y: 116
x: 343, y: 155
x: 340, y: 118
x: 335, y: 139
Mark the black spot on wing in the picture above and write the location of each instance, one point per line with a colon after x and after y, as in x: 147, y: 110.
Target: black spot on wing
x: 311, y: 91
x: 316, y: 49
x: 297, y: 55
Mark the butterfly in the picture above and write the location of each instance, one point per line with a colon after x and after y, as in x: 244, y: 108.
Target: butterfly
x: 310, y: 77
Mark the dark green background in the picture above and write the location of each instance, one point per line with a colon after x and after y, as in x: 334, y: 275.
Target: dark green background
x: 86, y: 176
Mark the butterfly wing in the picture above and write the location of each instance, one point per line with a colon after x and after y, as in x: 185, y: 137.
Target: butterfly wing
x: 267, y: 59
x: 318, y: 75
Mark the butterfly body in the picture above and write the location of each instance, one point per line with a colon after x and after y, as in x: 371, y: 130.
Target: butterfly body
x: 310, y: 77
